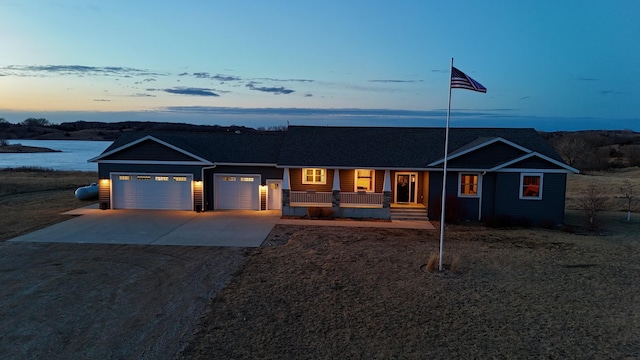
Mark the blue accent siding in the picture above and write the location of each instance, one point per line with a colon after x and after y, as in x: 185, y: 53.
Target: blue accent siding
x: 488, y: 194
x: 549, y: 208
x: 486, y: 157
x: 534, y: 163
x: 500, y: 196
x: 468, y: 206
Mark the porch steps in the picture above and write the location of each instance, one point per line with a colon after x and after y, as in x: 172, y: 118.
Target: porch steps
x: 411, y: 214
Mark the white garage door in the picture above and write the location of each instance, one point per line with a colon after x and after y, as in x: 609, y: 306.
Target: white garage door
x: 152, y: 191
x: 237, y: 192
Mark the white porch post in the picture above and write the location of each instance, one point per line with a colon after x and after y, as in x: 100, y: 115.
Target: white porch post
x: 285, y: 180
x: 386, y: 186
x: 336, y: 180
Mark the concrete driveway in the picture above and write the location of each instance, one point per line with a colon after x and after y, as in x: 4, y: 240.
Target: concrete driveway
x: 160, y: 227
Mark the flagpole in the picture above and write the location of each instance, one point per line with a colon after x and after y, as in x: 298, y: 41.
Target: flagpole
x: 444, y: 172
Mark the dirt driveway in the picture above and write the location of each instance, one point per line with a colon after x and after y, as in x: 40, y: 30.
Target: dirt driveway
x: 96, y: 301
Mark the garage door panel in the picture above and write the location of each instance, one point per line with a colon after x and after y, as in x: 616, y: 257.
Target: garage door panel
x: 152, y: 191
x: 239, y: 192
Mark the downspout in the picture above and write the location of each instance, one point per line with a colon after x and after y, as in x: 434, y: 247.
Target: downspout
x: 203, y: 182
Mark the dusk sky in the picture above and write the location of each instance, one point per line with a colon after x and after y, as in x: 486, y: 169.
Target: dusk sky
x: 551, y: 65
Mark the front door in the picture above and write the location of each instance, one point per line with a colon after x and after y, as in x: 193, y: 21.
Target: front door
x: 406, y: 187
x: 274, y: 194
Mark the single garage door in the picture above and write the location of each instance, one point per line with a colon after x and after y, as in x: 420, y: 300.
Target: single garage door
x: 152, y: 191
x: 237, y: 192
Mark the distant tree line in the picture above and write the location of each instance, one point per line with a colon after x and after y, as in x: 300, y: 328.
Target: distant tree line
x: 597, y: 149
x: 41, y: 128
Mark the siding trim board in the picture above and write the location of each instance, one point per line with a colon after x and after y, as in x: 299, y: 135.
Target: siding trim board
x: 555, y: 162
x: 519, y: 170
x: 454, y: 154
x: 145, y: 138
x: 152, y: 162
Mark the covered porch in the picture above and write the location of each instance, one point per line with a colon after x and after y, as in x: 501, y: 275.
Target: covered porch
x: 352, y: 196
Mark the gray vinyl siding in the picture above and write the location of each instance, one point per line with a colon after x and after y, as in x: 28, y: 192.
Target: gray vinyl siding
x: 486, y: 157
x: 468, y: 207
x: 549, y: 208
x: 488, y: 194
x: 534, y: 163
x: 149, y: 150
x: 500, y: 196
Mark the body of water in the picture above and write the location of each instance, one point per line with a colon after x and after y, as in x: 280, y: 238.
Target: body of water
x: 74, y: 155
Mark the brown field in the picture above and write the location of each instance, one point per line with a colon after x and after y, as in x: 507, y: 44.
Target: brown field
x: 609, y: 183
x: 360, y: 293
x: 31, y: 200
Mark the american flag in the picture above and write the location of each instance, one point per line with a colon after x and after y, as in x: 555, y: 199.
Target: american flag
x: 461, y: 80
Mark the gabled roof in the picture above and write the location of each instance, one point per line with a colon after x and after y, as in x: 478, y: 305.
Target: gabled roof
x: 533, y: 155
x: 479, y: 144
x: 227, y: 148
x: 180, y: 148
x: 349, y: 147
x: 396, y: 147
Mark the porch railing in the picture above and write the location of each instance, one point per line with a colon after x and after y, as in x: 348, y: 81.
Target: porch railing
x: 347, y: 199
x: 361, y: 198
x: 310, y: 197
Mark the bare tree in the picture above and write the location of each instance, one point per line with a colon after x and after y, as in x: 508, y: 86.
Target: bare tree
x: 627, y: 190
x: 36, y: 122
x: 570, y: 148
x: 592, y: 202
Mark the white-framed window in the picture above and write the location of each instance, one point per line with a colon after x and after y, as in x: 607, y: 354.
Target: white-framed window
x: 162, y: 178
x: 179, y: 178
x: 469, y: 184
x: 143, y: 177
x: 247, y: 179
x: 314, y: 176
x: 228, y: 178
x: 531, y: 186
x: 124, y: 177
x: 365, y: 180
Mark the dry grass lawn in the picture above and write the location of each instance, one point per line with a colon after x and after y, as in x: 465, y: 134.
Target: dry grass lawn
x: 31, y: 200
x: 337, y: 293
x: 608, y: 184
x: 359, y: 293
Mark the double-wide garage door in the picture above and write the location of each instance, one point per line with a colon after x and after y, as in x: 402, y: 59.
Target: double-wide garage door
x: 152, y: 191
x: 237, y: 192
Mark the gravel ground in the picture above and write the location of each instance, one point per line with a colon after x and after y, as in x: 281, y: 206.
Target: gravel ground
x: 81, y: 301
x: 359, y: 293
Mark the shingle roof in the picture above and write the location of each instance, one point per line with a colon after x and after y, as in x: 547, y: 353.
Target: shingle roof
x: 410, y: 148
x: 366, y: 147
x: 262, y: 147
